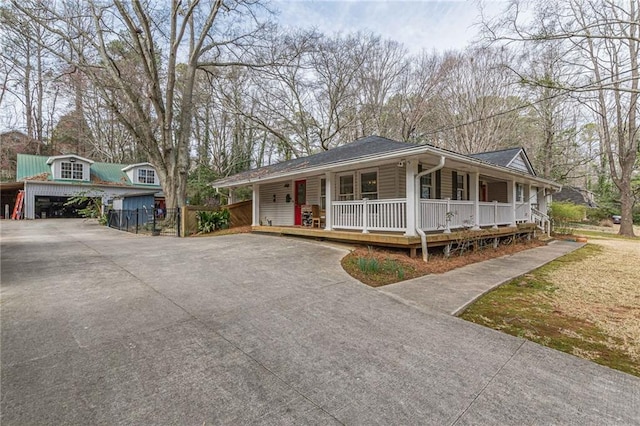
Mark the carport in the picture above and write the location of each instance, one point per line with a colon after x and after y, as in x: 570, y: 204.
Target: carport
x: 8, y: 194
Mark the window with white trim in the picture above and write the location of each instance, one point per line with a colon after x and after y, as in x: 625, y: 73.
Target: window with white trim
x: 461, y: 184
x: 69, y: 170
x: 146, y: 176
x: 426, y: 186
x: 346, y: 187
x: 369, y: 184
x: 323, y: 194
x: 519, y: 192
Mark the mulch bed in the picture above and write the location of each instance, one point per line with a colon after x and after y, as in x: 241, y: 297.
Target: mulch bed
x: 391, y: 261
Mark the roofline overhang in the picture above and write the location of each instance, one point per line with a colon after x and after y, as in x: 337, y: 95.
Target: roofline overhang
x: 133, y: 166
x: 394, y: 155
x: 62, y: 157
x: 82, y: 184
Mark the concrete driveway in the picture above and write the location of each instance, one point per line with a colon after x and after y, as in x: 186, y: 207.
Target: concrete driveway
x: 104, y: 327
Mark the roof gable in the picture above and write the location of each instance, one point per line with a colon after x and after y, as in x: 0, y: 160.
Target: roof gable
x: 137, y: 165
x: 513, y: 158
x: 71, y: 157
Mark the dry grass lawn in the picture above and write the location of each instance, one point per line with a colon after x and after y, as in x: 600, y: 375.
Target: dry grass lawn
x: 586, y: 303
x: 604, y: 290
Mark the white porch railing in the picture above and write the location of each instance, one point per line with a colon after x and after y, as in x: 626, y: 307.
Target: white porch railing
x: 495, y: 213
x: 523, y: 212
x: 371, y: 215
x: 442, y: 214
x: 434, y: 215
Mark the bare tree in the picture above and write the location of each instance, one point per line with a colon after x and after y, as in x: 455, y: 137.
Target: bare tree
x: 599, y: 41
x: 169, y: 45
x: 479, y: 104
x: 31, y: 72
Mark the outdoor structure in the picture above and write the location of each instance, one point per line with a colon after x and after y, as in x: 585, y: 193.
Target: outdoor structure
x: 49, y: 182
x: 393, y: 192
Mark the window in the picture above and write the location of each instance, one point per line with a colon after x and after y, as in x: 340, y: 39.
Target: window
x: 519, y: 192
x: 69, y: 170
x: 426, y: 185
x: 146, y: 176
x: 460, y: 186
x: 369, y: 185
x: 323, y: 194
x: 346, y: 188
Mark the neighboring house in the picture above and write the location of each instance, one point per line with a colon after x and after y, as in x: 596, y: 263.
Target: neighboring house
x: 11, y: 144
x: 377, y: 185
x: 578, y: 196
x: 49, y: 182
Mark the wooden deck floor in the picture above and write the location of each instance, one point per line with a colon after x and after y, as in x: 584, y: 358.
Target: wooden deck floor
x: 387, y: 239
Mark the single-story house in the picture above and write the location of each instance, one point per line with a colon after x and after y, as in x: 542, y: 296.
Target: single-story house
x: 377, y: 185
x: 49, y: 182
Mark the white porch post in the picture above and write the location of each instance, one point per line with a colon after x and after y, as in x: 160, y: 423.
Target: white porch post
x: 232, y: 196
x: 475, y: 196
x: 529, y: 198
x: 256, y: 205
x: 512, y: 193
x: 412, y: 197
x: 328, y: 213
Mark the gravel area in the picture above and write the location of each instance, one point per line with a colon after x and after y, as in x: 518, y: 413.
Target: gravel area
x: 605, y: 290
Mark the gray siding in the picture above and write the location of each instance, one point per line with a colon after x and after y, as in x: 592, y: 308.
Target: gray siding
x: 518, y: 163
x: 279, y: 212
x: 313, y: 190
x: 446, y: 185
x: 33, y: 190
x: 497, y: 191
x: 388, y: 181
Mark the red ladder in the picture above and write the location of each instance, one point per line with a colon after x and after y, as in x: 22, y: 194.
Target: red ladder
x: 17, y: 209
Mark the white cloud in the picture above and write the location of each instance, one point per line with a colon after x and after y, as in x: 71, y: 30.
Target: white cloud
x: 439, y: 25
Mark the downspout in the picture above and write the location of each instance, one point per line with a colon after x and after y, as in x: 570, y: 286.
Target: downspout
x: 423, y: 236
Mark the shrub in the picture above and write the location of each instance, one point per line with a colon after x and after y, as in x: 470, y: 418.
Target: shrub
x: 563, y: 214
x: 206, y: 221
x: 210, y: 221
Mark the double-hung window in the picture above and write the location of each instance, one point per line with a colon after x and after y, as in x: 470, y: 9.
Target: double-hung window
x: 146, y: 176
x: 346, y: 187
x: 426, y: 186
x: 69, y: 170
x: 519, y: 192
x: 369, y: 185
x: 460, y: 184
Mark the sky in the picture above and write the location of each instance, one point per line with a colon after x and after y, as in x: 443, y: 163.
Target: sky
x: 418, y: 24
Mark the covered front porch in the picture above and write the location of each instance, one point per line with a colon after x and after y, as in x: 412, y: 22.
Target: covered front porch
x: 398, y: 240
x: 433, y: 215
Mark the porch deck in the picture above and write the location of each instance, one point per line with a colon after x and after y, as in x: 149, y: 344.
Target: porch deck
x: 397, y: 240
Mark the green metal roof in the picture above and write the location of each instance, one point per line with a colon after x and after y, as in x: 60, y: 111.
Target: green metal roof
x: 35, y: 167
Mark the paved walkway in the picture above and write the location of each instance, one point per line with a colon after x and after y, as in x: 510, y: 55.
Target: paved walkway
x: 103, y: 327
x: 453, y: 291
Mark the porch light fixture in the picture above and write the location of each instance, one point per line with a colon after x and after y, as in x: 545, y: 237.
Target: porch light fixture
x: 274, y: 198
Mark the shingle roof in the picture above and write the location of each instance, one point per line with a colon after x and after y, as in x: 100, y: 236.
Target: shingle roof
x: 360, y: 148
x: 573, y: 195
x: 500, y: 158
x: 35, y: 167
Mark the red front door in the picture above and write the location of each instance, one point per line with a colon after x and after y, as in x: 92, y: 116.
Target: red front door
x: 300, y: 199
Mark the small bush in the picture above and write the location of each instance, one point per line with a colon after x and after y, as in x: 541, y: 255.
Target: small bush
x: 368, y: 265
x: 210, y: 221
x: 563, y: 214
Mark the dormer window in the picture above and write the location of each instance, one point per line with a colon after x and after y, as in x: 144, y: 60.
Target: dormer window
x: 71, y: 170
x: 70, y: 167
x: 146, y: 176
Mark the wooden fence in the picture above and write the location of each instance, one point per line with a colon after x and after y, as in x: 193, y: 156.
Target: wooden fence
x: 240, y: 216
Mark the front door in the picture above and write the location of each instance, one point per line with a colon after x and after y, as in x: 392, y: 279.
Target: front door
x: 300, y: 200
